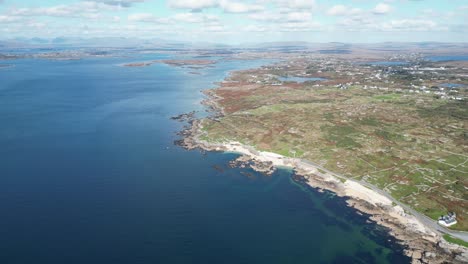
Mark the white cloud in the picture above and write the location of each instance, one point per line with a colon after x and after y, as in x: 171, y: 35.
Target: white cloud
x: 254, y: 28
x: 300, y: 26
x: 371, y: 24
x: 144, y: 17
x: 293, y: 4
x: 88, y: 8
x: 342, y: 10
x: 356, y: 23
x: 73, y: 10
x: 120, y: 3
x: 283, y: 17
x: 238, y: 7
x: 228, y: 6
x: 36, y: 25
x: 265, y: 16
x: 382, y: 9
x: 214, y: 28
x: 298, y: 17
x: 268, y: 17
x: 177, y: 18
x: 194, y: 18
x: 337, y: 10
x: 193, y: 4
x: 9, y: 19
x: 284, y: 21
x: 409, y: 25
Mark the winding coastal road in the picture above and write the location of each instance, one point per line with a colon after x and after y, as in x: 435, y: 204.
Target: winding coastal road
x: 321, y: 171
x: 428, y: 222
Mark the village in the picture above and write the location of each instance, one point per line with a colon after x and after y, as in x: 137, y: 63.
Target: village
x: 409, y: 73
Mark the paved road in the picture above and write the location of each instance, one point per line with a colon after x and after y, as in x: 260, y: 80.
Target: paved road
x: 428, y: 222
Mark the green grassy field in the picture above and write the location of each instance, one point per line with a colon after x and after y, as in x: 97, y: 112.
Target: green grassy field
x: 455, y: 241
x: 412, y: 146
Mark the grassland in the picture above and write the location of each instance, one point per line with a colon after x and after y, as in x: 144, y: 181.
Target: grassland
x: 455, y: 241
x: 414, y: 146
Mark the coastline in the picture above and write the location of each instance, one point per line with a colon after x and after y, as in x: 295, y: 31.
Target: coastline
x: 424, y: 243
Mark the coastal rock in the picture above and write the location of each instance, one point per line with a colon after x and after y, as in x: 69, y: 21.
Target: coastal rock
x: 417, y: 254
x: 462, y: 258
x: 423, y: 245
x: 429, y: 255
x: 244, y: 161
x: 186, y: 117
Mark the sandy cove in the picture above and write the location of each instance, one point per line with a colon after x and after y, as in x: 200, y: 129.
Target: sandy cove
x: 424, y: 245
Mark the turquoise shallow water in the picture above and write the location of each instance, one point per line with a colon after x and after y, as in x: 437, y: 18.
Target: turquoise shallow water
x: 89, y: 174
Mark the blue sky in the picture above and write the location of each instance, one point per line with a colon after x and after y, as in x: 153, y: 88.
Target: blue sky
x: 239, y: 21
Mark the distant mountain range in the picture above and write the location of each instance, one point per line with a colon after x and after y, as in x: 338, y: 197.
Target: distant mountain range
x: 121, y: 42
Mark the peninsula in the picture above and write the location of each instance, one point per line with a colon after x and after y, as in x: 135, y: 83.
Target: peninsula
x: 388, y: 132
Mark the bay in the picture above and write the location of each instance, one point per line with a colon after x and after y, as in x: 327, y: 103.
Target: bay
x: 89, y: 174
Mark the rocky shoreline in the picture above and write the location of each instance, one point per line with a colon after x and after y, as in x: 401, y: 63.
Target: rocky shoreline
x: 423, y: 245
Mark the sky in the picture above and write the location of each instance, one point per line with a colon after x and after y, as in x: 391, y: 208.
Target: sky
x: 239, y: 21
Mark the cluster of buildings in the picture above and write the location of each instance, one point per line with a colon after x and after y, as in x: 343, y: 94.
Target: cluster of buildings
x: 414, y: 77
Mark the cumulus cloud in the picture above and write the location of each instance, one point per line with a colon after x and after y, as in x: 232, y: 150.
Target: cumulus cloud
x: 371, y: 24
x: 238, y: 7
x: 298, y: 17
x: 144, y: 17
x: 177, y: 18
x: 300, y: 26
x: 121, y: 3
x: 292, y: 4
x: 254, y: 28
x: 214, y: 28
x: 285, y: 20
x: 194, y: 18
x: 9, y: 19
x: 193, y: 4
x: 382, y: 8
x: 270, y: 17
x: 275, y: 17
x: 410, y: 25
x: 342, y: 10
x: 356, y: 23
x: 73, y: 10
x: 228, y: 6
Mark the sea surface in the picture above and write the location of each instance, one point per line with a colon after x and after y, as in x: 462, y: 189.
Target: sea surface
x: 89, y: 174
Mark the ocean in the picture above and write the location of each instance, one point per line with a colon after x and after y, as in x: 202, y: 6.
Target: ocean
x: 89, y: 174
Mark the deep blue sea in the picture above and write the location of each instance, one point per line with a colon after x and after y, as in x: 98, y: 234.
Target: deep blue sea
x: 89, y: 174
